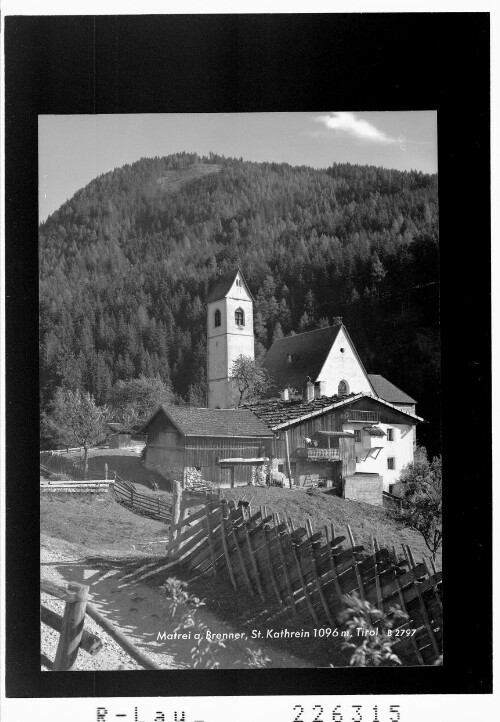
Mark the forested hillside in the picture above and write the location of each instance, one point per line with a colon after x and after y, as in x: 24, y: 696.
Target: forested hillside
x: 125, y: 265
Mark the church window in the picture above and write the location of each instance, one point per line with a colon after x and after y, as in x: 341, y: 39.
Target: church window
x: 343, y: 388
x: 239, y: 317
x: 217, y: 318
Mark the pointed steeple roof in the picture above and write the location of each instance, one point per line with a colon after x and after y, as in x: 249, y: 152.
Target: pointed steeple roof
x: 222, y: 285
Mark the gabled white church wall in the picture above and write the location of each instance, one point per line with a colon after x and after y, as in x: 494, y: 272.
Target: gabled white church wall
x: 342, y: 364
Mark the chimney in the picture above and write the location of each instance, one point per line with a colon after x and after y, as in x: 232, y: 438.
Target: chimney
x: 308, y: 391
x: 286, y: 394
x: 319, y: 389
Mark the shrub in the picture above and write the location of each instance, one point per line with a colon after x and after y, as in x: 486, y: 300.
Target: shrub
x: 372, y: 630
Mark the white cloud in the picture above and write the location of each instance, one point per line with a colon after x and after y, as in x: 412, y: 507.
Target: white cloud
x: 349, y: 124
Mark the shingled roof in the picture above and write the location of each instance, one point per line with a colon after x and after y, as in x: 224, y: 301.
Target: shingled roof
x: 277, y: 413
x: 387, y: 391
x: 222, y: 285
x: 213, y: 422
x: 307, y: 351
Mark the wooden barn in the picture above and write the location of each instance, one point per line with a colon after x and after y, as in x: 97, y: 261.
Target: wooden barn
x: 224, y: 446
x: 118, y: 435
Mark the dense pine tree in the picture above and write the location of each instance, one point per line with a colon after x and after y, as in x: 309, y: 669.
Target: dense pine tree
x: 126, y: 263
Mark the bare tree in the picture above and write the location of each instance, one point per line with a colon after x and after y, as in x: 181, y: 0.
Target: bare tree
x: 249, y: 379
x: 79, y: 420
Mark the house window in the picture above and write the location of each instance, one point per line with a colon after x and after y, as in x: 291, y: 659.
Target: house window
x: 239, y: 317
x: 391, y: 463
x: 343, y: 388
x: 357, y: 435
x: 390, y: 434
x: 217, y: 318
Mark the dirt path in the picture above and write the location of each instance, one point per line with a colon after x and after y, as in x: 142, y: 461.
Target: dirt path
x: 141, y: 612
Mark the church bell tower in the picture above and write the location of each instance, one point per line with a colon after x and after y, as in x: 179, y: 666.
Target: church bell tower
x: 229, y: 335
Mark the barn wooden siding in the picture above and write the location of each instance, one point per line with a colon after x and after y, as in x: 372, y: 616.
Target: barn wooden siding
x: 331, y: 421
x: 168, y: 449
x: 204, y: 452
x: 165, y: 445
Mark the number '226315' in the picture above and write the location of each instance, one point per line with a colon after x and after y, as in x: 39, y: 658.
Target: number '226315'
x: 354, y: 713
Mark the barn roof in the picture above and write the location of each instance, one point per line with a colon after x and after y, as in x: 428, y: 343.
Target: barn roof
x: 388, y: 391
x: 222, y: 285
x: 118, y: 428
x: 308, y: 352
x: 213, y: 422
x: 277, y: 413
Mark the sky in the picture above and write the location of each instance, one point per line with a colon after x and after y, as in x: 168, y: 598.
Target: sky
x: 74, y: 149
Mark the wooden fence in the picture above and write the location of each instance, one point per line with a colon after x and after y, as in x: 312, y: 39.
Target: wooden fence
x: 73, y: 636
x: 155, y: 507
x: 307, y: 572
x: 73, y: 486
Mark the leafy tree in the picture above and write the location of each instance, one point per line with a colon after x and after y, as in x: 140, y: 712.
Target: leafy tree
x: 373, y: 647
x: 79, y: 420
x: 421, y: 508
x: 249, y: 379
x: 132, y: 402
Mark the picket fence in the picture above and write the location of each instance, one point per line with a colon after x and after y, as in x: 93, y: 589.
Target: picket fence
x: 307, y: 572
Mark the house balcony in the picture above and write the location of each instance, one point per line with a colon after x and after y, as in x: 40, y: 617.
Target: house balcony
x: 372, y: 417
x: 317, y: 454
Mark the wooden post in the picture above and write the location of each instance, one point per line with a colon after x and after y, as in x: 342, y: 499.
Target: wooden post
x: 355, y: 563
x: 288, y: 467
x: 284, y: 565
x: 176, y: 513
x: 223, y: 517
x: 253, y: 561
x: 240, y: 555
x: 71, y: 628
x: 316, y: 577
x: 304, y: 587
x: 210, y: 540
x: 90, y: 643
x: 270, y: 564
x: 423, y: 608
x: 375, y: 549
x: 332, y: 562
x: 404, y: 609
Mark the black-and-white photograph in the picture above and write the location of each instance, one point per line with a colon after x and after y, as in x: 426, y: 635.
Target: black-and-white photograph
x: 240, y: 430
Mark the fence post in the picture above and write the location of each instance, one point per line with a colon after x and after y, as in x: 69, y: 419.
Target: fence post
x: 71, y: 629
x: 176, y: 515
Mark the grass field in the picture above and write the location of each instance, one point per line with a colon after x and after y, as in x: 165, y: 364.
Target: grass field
x: 324, y: 508
x: 96, y: 523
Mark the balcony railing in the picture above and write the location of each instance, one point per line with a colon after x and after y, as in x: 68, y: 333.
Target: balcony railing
x: 315, y: 454
x: 363, y: 416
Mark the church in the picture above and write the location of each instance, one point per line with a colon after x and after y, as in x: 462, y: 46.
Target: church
x: 333, y: 422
